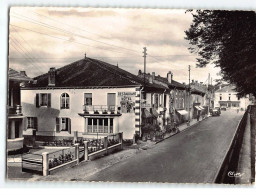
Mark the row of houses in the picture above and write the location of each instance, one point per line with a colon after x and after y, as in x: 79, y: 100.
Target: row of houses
x: 90, y: 98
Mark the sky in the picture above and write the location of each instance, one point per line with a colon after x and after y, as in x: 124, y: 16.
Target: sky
x: 44, y: 37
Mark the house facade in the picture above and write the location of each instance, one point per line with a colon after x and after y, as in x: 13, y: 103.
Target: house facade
x: 88, y: 98
x: 227, y: 96
x: 174, y: 99
x: 16, y: 118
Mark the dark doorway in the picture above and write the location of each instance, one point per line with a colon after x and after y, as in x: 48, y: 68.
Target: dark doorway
x: 17, y: 129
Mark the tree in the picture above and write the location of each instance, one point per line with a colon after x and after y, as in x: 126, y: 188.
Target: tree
x: 228, y: 40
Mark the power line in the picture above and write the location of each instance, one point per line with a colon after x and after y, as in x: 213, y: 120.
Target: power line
x: 68, y: 32
x: 12, y: 44
x: 66, y: 39
x: 16, y: 42
x: 31, y: 50
x: 57, y: 21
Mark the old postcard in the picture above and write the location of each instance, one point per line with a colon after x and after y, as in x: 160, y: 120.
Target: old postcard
x: 131, y: 95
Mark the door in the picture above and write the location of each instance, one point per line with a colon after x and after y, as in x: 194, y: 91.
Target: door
x: 111, y: 99
x: 17, y: 129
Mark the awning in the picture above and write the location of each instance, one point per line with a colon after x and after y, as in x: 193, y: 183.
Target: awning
x: 182, y: 112
x: 154, y: 113
x: 198, y: 108
x: 202, y: 108
x: 146, y: 114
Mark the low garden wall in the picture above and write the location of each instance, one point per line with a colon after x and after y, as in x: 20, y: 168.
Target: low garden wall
x: 63, y: 157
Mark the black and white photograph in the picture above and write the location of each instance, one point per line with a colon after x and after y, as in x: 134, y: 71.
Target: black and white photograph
x: 131, y: 95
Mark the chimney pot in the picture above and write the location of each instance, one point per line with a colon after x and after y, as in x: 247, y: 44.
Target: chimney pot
x: 153, y: 76
x: 23, y: 73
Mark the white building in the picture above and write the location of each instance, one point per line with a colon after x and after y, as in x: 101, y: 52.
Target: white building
x: 88, y: 97
x: 227, y: 96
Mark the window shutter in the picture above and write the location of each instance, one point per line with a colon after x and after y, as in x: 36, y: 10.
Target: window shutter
x: 25, y: 124
x: 58, y: 124
x: 37, y: 100
x: 35, y: 123
x: 49, y: 100
x: 69, y: 125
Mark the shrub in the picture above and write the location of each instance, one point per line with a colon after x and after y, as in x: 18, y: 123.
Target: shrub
x: 147, y: 128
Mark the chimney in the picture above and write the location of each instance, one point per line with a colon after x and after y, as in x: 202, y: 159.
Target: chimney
x: 220, y: 86
x: 139, y: 73
x: 150, y: 79
x: 23, y: 73
x: 153, y: 76
x: 169, y: 77
x: 52, y: 77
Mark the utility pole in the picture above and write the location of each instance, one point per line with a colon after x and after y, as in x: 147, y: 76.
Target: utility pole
x: 189, y: 93
x: 145, y: 55
x: 209, y: 93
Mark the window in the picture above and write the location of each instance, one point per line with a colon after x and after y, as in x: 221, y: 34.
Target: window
x: 88, y: 99
x: 32, y: 123
x: 220, y: 97
x: 43, y: 99
x: 229, y: 98
x: 156, y: 101
x: 99, y: 125
x: 64, y: 101
x: 160, y: 100
x: 63, y: 124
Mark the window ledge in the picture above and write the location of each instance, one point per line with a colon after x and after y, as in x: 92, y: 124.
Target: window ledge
x: 96, y: 133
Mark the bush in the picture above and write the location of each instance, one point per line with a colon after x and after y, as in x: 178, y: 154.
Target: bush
x: 147, y: 128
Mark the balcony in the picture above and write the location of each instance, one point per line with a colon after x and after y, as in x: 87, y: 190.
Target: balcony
x: 15, y: 110
x: 101, y: 109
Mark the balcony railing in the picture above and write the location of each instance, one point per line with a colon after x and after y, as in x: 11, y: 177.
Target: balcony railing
x: 101, y: 109
x: 15, y: 110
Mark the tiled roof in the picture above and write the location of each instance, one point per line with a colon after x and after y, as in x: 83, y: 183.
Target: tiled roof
x: 90, y: 72
x: 164, y: 81
x: 228, y: 88
x: 17, y: 76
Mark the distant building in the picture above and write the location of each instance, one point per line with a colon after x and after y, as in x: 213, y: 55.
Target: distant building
x: 227, y: 96
x: 16, y: 119
x: 88, y: 98
x: 180, y: 104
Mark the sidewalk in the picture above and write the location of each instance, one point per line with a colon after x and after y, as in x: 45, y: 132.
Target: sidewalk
x: 182, y: 127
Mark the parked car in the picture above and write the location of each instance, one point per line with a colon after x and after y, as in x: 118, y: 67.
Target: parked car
x: 218, y: 108
x: 223, y: 108
x: 216, y: 111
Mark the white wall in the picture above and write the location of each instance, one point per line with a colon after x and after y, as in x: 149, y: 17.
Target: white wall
x: 47, y: 116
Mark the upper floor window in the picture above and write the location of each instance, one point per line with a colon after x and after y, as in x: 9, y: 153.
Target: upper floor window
x: 43, y: 99
x: 88, y: 99
x: 64, y: 101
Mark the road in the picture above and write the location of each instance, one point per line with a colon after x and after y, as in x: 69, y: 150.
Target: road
x: 193, y: 156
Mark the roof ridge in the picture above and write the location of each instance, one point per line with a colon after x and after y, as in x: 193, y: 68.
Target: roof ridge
x: 58, y: 69
x: 95, y: 61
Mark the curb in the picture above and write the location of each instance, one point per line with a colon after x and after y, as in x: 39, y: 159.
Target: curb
x: 180, y: 131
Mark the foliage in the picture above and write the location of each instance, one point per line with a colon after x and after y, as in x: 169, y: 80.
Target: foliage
x: 147, y: 128
x: 226, y: 39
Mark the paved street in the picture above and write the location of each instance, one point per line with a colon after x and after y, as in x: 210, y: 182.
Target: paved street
x: 193, y: 156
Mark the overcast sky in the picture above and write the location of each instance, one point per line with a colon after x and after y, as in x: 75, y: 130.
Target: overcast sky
x: 41, y: 38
